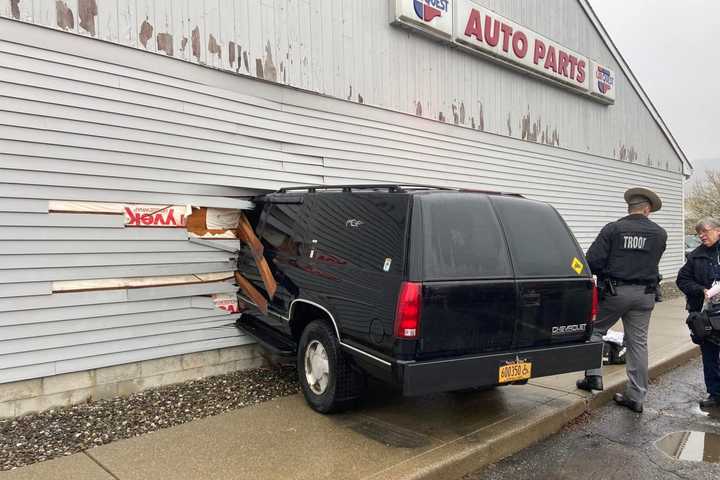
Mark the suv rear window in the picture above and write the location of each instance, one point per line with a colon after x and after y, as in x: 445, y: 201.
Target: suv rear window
x: 540, y: 242
x: 461, y: 238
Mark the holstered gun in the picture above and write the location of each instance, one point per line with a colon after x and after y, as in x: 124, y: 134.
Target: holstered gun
x: 610, y: 287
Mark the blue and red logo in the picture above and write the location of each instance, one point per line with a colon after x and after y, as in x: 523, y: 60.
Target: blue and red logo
x: 427, y: 10
x: 605, y: 79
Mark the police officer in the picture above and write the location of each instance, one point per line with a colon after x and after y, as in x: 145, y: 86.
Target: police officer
x: 625, y: 258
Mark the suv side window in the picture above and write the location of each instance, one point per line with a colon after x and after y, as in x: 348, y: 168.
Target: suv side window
x: 361, y: 229
x: 540, y: 242
x: 461, y: 238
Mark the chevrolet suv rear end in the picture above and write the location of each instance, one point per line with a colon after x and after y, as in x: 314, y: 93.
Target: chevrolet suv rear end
x: 430, y: 289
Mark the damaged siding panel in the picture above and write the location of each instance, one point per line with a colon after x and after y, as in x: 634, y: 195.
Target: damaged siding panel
x: 116, y: 346
x: 60, y: 220
x: 100, y: 182
x: 103, y: 259
x: 23, y: 205
x: 63, y: 233
x: 61, y: 309
x: 87, y: 338
x: 66, y: 327
x: 43, y: 247
x: 8, y: 190
x: 25, y: 290
x: 61, y: 301
x: 85, y: 273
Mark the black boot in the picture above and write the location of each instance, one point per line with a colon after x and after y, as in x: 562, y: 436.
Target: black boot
x: 589, y: 383
x: 713, y: 401
x: 625, y: 402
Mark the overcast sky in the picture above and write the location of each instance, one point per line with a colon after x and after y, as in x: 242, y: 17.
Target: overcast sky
x: 674, y: 50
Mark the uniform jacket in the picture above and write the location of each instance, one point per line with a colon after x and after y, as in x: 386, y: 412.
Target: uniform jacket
x: 695, y: 276
x: 628, y: 249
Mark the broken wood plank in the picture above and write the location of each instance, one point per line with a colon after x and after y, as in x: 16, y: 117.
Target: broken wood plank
x: 252, y: 293
x: 137, y: 282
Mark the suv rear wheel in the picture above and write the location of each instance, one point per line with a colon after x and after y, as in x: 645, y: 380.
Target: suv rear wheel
x: 328, y: 380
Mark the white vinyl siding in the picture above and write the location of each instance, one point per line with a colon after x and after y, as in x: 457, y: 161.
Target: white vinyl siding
x: 86, y: 120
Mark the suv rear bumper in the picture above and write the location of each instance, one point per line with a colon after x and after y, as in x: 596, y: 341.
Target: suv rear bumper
x: 418, y: 378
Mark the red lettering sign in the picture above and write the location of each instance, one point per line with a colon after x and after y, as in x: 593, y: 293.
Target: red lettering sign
x: 138, y: 216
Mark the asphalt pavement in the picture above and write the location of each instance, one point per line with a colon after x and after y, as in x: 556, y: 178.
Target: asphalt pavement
x: 614, y: 443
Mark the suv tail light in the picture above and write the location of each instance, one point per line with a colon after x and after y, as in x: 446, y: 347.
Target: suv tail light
x: 595, y: 304
x: 407, y: 315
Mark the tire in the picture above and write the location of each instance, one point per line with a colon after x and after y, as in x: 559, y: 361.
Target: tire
x: 330, y: 383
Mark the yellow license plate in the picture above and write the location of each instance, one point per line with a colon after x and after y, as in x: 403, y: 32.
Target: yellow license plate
x: 514, y: 371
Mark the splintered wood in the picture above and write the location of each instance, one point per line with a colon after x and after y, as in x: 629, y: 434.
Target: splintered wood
x: 252, y: 292
x: 247, y: 235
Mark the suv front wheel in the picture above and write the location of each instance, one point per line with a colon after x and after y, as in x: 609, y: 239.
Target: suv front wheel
x: 328, y: 380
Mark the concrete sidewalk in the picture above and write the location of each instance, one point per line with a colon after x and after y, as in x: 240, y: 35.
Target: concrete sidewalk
x: 389, y: 437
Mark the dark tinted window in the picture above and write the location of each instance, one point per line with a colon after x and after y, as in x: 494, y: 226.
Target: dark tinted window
x: 461, y: 238
x: 366, y: 230
x: 540, y: 242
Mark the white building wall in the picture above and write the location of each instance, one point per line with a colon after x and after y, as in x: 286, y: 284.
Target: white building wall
x: 93, y: 121
x: 347, y: 49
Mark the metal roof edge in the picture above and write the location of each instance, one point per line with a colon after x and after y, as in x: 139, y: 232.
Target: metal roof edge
x: 585, y: 4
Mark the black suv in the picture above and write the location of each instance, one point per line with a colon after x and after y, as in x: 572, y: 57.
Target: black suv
x: 431, y: 289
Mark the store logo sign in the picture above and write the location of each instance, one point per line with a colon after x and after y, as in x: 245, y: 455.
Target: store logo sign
x: 603, y: 82
x: 474, y: 28
x: 428, y: 10
x: 430, y: 16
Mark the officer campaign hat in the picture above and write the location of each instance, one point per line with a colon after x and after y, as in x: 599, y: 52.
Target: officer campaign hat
x: 651, y: 197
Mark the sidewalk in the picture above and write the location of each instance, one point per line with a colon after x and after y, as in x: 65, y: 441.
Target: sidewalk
x: 440, y: 436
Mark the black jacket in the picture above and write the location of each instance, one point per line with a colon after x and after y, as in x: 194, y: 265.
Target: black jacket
x: 628, y: 249
x: 695, y: 276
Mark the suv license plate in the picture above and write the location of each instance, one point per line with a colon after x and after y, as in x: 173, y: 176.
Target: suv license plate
x: 514, y: 371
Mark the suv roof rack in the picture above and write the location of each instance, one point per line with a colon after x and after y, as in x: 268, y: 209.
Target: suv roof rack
x: 375, y: 186
x: 392, y: 188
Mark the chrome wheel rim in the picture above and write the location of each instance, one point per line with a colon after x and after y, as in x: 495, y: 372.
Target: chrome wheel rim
x: 317, y: 367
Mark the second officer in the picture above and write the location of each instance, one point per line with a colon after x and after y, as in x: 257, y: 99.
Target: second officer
x: 625, y: 257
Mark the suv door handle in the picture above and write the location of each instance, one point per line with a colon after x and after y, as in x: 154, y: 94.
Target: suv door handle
x: 531, y: 299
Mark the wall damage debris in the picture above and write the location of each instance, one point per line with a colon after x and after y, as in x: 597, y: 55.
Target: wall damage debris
x: 146, y: 32
x: 418, y: 108
x: 183, y: 44
x: 15, y: 9
x: 138, y: 282
x: 136, y: 215
x: 481, y: 119
x: 251, y: 292
x: 87, y: 11
x: 65, y: 18
x: 197, y: 225
x: 165, y: 43
x: 509, y: 125
x: 246, y: 62
x: 360, y: 99
x: 214, y: 47
x: 259, y: 68
x: 227, y: 302
x: 441, y: 116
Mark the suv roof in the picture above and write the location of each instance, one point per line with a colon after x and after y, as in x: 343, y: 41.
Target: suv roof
x: 384, y: 187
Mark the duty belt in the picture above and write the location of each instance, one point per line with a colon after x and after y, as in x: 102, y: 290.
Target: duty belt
x: 644, y: 283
